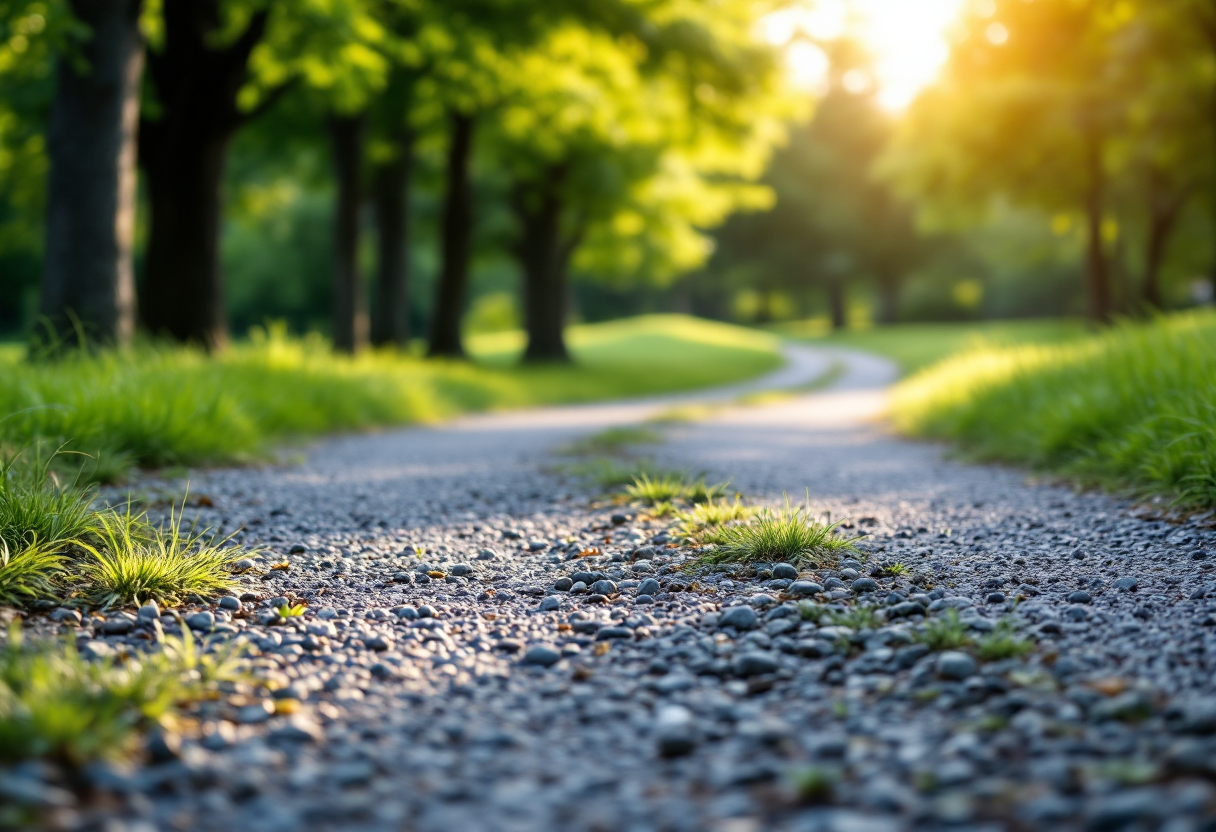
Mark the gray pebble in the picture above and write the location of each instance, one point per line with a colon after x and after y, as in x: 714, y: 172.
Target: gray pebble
x: 541, y: 655
x: 956, y: 665
x: 741, y: 618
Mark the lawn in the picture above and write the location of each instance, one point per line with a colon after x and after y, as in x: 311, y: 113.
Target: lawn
x: 157, y: 405
x: 1131, y: 407
x: 916, y: 346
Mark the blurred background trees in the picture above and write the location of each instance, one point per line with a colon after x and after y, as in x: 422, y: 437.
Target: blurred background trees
x: 391, y: 170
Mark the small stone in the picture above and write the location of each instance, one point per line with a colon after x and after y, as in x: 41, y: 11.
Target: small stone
x: 644, y: 599
x: 117, y: 626
x: 563, y: 584
x: 541, y: 655
x: 1080, y: 597
x: 255, y: 713
x: 549, y: 603
x: 1127, y: 584
x: 487, y: 554
x: 619, y: 519
x: 649, y: 587
x: 956, y: 665
x: 426, y: 611
x: 509, y: 645
x: 148, y: 613
x: 204, y: 620
x: 674, y: 731
x: 905, y: 609
x: 755, y: 663
x: 537, y: 545
x: 585, y: 577
x: 741, y: 618
x: 1076, y: 613
x: 297, y: 728
x: 609, y: 633
x: 66, y: 615
x: 460, y: 570
x: 864, y: 585
x: 243, y: 565
x: 786, y: 571
x: 995, y: 598
x: 404, y: 613
x: 604, y: 587
x: 229, y: 603
x: 804, y: 588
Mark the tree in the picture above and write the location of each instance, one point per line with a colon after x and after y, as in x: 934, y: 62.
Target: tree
x: 88, y: 284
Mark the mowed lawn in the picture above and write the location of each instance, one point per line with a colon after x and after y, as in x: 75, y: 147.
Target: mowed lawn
x: 157, y: 405
x: 1132, y: 407
x: 916, y: 346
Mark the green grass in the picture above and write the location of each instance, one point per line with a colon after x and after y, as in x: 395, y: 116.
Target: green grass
x: 775, y: 535
x: 160, y: 406
x: 708, y: 516
x: 916, y: 346
x: 613, y: 441
x: 36, y: 507
x: 56, y: 705
x: 1131, y: 408
x: 669, y: 487
x: 132, y: 563
x: 1002, y: 643
x: 946, y: 632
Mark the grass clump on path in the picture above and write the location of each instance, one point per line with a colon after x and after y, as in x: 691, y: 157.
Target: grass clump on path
x: 786, y: 535
x: 131, y: 562
x: 670, y: 487
x: 1133, y: 407
x: 159, y: 406
x: 710, y: 516
x: 56, y: 705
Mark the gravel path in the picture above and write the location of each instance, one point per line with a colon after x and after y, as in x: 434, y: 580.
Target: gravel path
x: 449, y: 679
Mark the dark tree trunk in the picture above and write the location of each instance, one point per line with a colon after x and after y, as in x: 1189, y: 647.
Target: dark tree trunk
x: 456, y: 244
x: 1097, y: 267
x: 184, y: 152
x: 1164, y: 211
x: 349, y: 309
x: 544, y: 254
x: 91, y: 190
x: 390, y: 318
x: 888, y: 299
x: 836, y: 304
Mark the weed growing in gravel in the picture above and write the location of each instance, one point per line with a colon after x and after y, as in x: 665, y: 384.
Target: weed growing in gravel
x: 56, y: 705
x: 613, y: 441
x: 1003, y: 643
x: 788, y: 535
x: 699, y: 491
x: 661, y: 488
x: 810, y: 611
x: 27, y: 573
x: 35, y: 508
x: 816, y: 784
x: 131, y: 561
x: 711, y: 514
x: 857, y: 618
x: 945, y: 632
x: 897, y: 569
x: 290, y: 611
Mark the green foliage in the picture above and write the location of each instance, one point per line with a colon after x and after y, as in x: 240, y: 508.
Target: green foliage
x: 670, y: 487
x: 709, y: 515
x: 1002, y: 643
x: 291, y: 611
x: 133, y: 563
x: 810, y: 611
x: 787, y: 534
x: 35, y: 509
x: 27, y: 573
x: 613, y: 441
x: 56, y: 705
x: 856, y: 618
x: 160, y: 406
x: 816, y: 784
x: 946, y: 632
x: 1130, y: 407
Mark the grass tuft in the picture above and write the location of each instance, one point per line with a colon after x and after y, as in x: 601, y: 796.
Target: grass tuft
x: 133, y: 562
x: 56, y: 705
x: 711, y: 515
x: 1003, y: 643
x: 28, y: 573
x: 787, y: 535
x: 857, y: 618
x: 670, y: 487
x: 35, y: 509
x: 946, y: 632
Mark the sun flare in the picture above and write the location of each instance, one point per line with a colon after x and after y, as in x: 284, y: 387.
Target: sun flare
x: 908, y: 39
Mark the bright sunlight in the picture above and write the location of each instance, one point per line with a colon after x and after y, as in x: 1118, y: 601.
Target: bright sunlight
x: 908, y: 41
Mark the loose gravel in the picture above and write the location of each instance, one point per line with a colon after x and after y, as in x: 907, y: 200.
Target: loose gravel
x: 486, y: 647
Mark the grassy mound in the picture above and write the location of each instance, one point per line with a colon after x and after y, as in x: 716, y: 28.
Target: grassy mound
x: 156, y: 405
x: 1132, y: 407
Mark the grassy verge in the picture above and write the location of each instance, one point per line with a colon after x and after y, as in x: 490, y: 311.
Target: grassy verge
x: 156, y: 406
x: 916, y: 346
x: 1132, y: 407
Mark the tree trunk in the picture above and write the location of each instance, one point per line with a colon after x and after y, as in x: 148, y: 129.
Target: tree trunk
x: 184, y: 152
x: 390, y: 319
x: 1164, y: 211
x: 456, y: 245
x: 91, y: 142
x: 888, y: 300
x: 1097, y: 271
x: 349, y: 309
x: 836, y: 303
x: 544, y: 255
